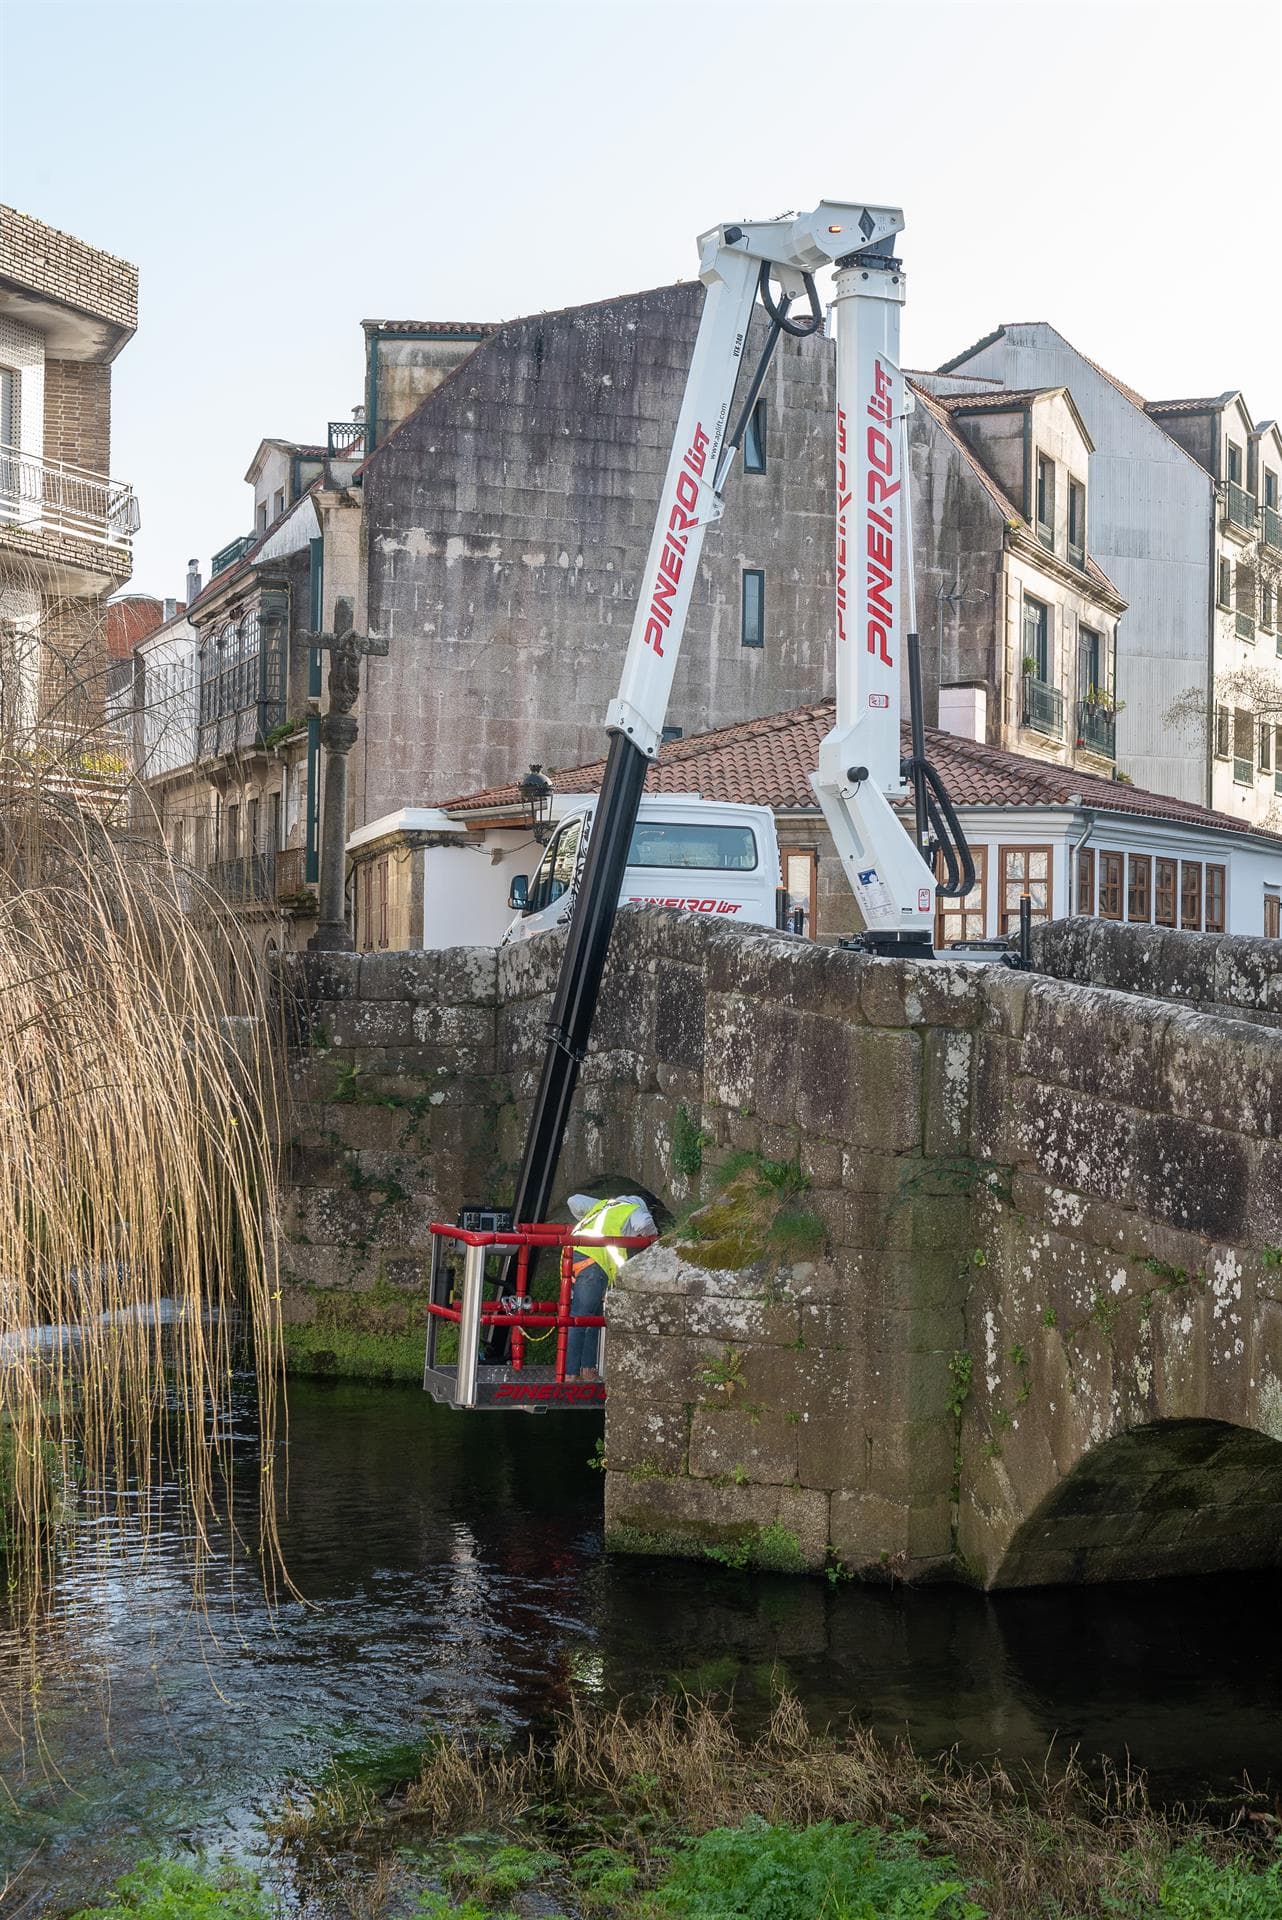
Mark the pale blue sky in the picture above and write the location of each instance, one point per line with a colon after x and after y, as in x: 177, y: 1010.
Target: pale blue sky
x: 281, y: 170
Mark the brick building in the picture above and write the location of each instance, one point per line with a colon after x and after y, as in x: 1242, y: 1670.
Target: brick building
x: 66, y: 310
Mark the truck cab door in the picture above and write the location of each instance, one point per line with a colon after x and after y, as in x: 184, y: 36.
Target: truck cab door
x: 549, y: 898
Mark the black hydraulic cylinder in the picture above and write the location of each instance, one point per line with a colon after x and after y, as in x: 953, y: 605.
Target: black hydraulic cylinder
x: 579, y: 985
x: 918, y: 735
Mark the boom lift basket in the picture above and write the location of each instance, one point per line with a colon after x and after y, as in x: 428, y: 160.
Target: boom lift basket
x: 481, y: 1286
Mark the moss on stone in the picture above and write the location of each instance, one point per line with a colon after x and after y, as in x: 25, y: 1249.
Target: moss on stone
x: 751, y: 1219
x: 352, y: 1354
x: 769, y: 1549
x: 378, y: 1333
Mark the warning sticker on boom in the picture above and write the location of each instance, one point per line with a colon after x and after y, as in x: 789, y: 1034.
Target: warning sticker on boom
x: 872, y: 892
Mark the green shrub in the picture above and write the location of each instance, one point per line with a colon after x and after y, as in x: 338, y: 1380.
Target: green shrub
x: 167, y: 1890
x: 1195, y: 1888
x: 823, y: 1872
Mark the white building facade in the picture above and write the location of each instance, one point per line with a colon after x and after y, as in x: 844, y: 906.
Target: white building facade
x: 1166, y: 512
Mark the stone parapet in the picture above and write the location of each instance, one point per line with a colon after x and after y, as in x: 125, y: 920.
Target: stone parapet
x: 1233, y: 973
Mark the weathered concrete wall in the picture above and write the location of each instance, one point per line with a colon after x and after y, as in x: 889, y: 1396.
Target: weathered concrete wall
x: 994, y: 1290
x: 507, y: 523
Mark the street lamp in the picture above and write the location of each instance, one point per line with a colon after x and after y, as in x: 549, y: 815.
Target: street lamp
x: 536, y: 797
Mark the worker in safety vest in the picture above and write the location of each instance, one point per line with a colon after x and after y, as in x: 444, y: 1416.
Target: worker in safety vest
x: 595, y: 1267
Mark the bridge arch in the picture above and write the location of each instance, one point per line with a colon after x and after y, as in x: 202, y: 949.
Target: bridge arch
x: 1169, y: 1498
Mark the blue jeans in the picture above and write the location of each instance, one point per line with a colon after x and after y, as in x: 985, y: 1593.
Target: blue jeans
x: 586, y: 1296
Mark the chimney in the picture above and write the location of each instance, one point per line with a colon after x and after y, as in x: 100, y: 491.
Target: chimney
x: 963, y: 710
x: 169, y: 608
x: 193, y: 580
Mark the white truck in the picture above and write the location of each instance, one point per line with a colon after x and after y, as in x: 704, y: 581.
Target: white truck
x: 704, y: 855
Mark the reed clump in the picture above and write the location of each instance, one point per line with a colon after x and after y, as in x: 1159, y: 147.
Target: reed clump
x: 627, y: 1790
x: 136, y: 1141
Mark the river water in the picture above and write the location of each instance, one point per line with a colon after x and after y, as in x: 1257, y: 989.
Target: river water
x: 454, y: 1577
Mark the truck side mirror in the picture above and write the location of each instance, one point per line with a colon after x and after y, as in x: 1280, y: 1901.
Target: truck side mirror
x: 518, y: 894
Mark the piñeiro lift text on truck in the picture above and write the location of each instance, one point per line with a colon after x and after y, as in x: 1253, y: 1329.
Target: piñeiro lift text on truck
x: 484, y: 1268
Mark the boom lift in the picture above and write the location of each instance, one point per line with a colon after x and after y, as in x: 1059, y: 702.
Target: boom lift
x: 860, y: 762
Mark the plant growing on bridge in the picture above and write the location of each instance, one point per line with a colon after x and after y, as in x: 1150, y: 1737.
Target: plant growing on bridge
x: 688, y: 1143
x: 724, y: 1376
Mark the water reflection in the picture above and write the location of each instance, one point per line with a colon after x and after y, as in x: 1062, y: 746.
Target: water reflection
x: 453, y: 1576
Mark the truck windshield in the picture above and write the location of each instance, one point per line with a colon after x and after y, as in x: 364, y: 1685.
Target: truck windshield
x: 688, y: 843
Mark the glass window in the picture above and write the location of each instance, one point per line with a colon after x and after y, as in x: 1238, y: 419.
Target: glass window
x: 1046, y: 501
x: 1215, y: 883
x: 1037, y: 637
x: 754, y: 440
x: 967, y: 919
x: 752, y: 629
x: 1272, y: 914
x: 1166, y: 880
x: 562, y: 855
x: 279, y: 507
x: 799, y: 880
x: 1139, y: 892
x: 1223, y: 736
x: 10, y: 429
x: 1086, y: 880
x: 1076, y: 522
x: 1191, y: 895
x: 1090, y: 662
x: 1235, y: 464
x: 1110, y: 885
x: 1225, y: 588
x: 661, y: 843
x: 1266, y: 604
x: 1243, y: 746
x: 1266, y: 746
x: 1025, y: 870
x: 1270, y: 488
x: 1244, y: 583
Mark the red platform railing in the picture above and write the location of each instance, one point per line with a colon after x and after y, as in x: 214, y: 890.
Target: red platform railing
x: 512, y: 1306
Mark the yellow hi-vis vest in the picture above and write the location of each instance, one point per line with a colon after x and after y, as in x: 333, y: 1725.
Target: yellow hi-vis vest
x: 608, y: 1216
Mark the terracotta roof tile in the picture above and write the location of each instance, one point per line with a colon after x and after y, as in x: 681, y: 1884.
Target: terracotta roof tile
x: 463, y: 327
x: 1209, y: 405
x: 768, y: 762
x: 998, y: 401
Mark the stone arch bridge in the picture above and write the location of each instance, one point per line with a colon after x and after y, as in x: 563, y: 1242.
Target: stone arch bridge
x: 974, y: 1274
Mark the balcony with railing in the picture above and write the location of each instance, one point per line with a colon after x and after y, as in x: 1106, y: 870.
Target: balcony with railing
x: 1239, y: 507
x: 50, y: 496
x: 291, y: 874
x: 249, y: 881
x: 1097, y: 728
x: 346, y: 436
x: 1043, y: 708
x: 1271, y: 528
x: 231, y: 552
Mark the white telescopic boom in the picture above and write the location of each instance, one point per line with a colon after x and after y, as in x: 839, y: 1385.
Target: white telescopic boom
x: 859, y: 761
x: 735, y: 263
x: 730, y: 263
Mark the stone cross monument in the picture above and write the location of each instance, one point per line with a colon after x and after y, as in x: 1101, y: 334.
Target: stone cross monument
x: 338, y: 729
